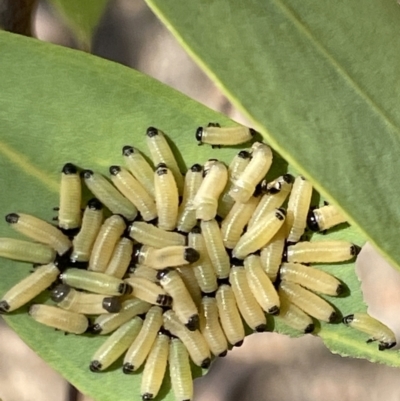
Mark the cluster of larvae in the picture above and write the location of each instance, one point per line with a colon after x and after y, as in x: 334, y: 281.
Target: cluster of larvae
x: 181, y: 260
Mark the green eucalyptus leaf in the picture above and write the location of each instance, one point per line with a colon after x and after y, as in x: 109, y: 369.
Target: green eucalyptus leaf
x: 82, y: 16
x: 59, y: 105
x: 319, y: 79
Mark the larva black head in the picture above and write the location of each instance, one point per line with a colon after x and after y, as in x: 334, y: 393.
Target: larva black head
x: 4, y: 307
x: 161, y: 169
x: 199, y: 134
x: 69, y: 168
x: 193, y: 323
x: 355, y: 250
x: 125, y: 289
x: 206, y: 363
x: 238, y: 344
x: 196, y: 168
x: 253, y: 132
x: 151, y: 131
x: 162, y: 273
x: 348, y: 319
x: 280, y: 213
x: 87, y: 174
x: 244, y: 154
x: 115, y: 170
x: 261, y: 328
x: 333, y: 317
x: 128, y: 150
x: 111, y: 304
x: 135, y: 254
x: 95, y: 366
x: 147, y: 396
x: 340, y: 289
x: 164, y: 300
x: 191, y: 255
x: 310, y: 328
x: 275, y: 189
x: 60, y: 292
x: 95, y: 329
x: 12, y: 218
x: 237, y: 262
x: 382, y: 345
x: 222, y: 354
x: 94, y: 204
x: 288, y: 178
x: 312, y: 221
x: 64, y: 261
x: 128, y: 368
x: 274, y: 310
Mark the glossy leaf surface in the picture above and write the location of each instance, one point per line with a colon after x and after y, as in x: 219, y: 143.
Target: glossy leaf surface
x: 320, y: 83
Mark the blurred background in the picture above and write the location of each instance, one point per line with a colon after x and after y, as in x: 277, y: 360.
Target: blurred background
x: 268, y: 366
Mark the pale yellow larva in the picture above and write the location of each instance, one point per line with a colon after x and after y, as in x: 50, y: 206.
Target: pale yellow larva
x: 324, y: 218
x: 229, y: 315
x: 261, y: 285
x: 99, y: 283
x: 194, y: 341
x: 115, y: 345
x: 271, y: 254
x: 236, y: 167
x: 294, y: 316
x: 83, y: 242
x: 141, y: 345
x: 179, y: 370
x: 120, y: 258
x: 373, y: 327
x: 276, y: 193
x: 155, y: 367
x: 234, y: 223
x: 147, y: 234
x: 309, y: 277
x: 187, y: 215
x: 309, y: 302
x: 298, y: 205
x: 183, y: 304
x: 149, y: 291
x: 159, y: 259
x: 26, y: 251
x: 106, y: 323
x: 69, y: 322
x: 167, y: 198
x: 70, y: 299
x: 211, y: 328
x: 254, y: 172
x: 203, y: 268
x: 134, y: 191
x: 322, y: 251
x: 205, y: 201
x: 260, y: 234
x: 69, y: 212
x: 161, y: 153
x: 40, y: 231
x: 215, y: 248
x: 216, y: 135
x: 109, y: 195
x: 140, y: 168
x: 29, y: 287
x: 247, y: 304
x: 106, y: 240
